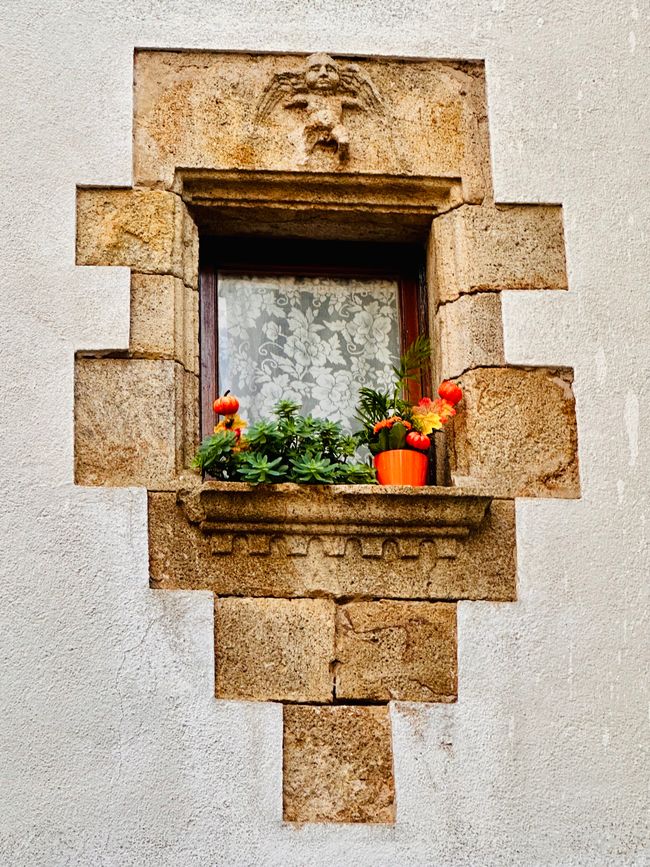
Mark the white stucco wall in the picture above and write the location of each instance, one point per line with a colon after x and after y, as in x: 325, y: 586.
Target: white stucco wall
x: 112, y: 749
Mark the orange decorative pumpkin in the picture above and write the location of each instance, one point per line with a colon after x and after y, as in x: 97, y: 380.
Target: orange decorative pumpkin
x: 417, y: 440
x: 451, y: 392
x: 226, y: 405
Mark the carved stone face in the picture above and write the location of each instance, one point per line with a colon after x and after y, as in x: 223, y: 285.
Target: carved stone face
x: 322, y: 73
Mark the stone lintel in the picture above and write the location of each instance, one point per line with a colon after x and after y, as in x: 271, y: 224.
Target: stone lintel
x: 317, y: 204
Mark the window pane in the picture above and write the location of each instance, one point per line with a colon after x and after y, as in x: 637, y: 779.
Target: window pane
x: 315, y: 340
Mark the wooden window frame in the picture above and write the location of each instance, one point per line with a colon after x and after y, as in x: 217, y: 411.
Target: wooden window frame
x: 404, y: 263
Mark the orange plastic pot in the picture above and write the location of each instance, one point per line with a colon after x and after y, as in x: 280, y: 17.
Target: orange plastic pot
x: 401, y: 467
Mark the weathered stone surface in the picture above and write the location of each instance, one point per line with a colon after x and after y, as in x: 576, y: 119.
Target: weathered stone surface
x: 482, y: 566
x: 129, y: 420
x: 468, y: 333
x: 202, y: 110
x: 189, y: 429
x: 146, y: 230
x: 338, y: 764
x: 274, y: 649
x: 164, y: 319
x: 190, y: 251
x: 497, y: 247
x: 404, y: 651
x: 515, y: 433
x: 338, y: 206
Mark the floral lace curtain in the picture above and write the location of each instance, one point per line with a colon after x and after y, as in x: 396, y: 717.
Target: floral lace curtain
x: 314, y: 340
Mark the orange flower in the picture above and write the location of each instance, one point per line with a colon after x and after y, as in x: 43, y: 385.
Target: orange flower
x: 389, y: 422
x: 385, y: 422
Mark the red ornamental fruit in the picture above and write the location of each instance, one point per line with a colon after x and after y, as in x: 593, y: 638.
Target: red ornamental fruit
x: 450, y: 391
x: 417, y: 440
x: 226, y: 405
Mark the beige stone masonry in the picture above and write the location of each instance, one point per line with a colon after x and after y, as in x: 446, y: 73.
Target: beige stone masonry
x: 403, y: 651
x: 481, y: 566
x: 468, y: 333
x: 149, y: 231
x: 164, y: 319
x: 338, y: 764
x: 274, y: 649
x: 516, y: 433
x: 325, y: 596
x: 130, y: 421
x: 497, y: 247
x: 203, y: 110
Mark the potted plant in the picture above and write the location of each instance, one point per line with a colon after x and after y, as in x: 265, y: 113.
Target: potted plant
x: 395, y: 430
x: 287, y: 448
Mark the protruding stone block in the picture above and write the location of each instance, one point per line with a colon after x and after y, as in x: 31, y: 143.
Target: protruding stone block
x: 164, y: 319
x: 489, y: 248
x: 129, y: 421
x: 468, y: 333
x: 338, y: 764
x: 515, y: 434
x: 274, y: 649
x: 146, y: 230
x: 181, y: 557
x: 404, y: 651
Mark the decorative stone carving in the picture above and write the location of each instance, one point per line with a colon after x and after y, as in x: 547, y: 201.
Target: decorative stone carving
x: 292, y: 540
x: 323, y: 90
x: 337, y: 516
x: 187, y: 553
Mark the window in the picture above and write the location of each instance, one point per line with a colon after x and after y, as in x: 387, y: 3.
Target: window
x: 310, y: 321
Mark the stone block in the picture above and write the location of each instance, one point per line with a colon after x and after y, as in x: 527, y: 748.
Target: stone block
x: 515, y: 433
x: 190, y: 251
x: 338, y: 764
x: 190, y: 430
x: 274, y: 649
x: 490, y: 248
x: 128, y: 421
x: 182, y: 556
x: 200, y: 110
x: 179, y: 554
x: 145, y: 230
x: 468, y: 333
x: 403, y: 651
x: 164, y: 319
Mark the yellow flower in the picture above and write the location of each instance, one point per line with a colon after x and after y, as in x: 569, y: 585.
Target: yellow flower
x: 231, y: 422
x: 430, y: 415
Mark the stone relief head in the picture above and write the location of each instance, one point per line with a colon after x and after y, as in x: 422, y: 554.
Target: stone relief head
x: 322, y: 92
x: 322, y: 73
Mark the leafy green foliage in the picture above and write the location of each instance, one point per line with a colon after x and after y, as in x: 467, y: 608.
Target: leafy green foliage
x: 258, y: 469
x: 288, y: 448
x: 397, y: 436
x: 376, y: 406
x: 313, y: 470
x: 215, y: 454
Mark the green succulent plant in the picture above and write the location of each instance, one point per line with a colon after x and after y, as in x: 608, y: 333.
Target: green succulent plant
x: 258, y: 469
x: 287, y: 448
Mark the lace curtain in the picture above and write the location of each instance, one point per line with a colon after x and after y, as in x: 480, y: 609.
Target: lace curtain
x: 314, y: 340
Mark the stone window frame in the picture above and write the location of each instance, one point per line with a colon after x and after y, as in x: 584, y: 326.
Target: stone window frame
x: 136, y: 410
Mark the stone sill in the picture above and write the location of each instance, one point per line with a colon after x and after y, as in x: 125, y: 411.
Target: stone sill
x: 335, y: 515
